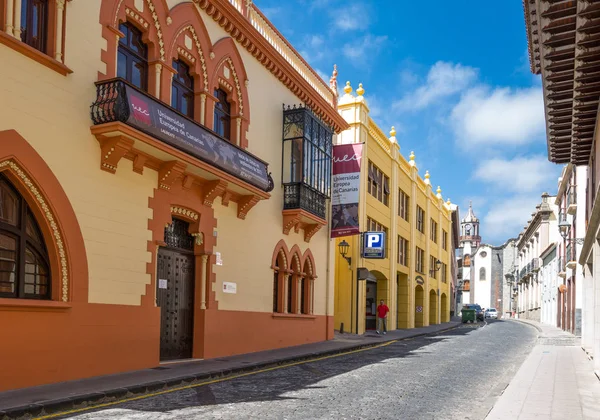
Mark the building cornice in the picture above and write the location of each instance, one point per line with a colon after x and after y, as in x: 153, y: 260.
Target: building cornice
x: 564, y: 182
x: 241, y: 29
x: 548, y: 250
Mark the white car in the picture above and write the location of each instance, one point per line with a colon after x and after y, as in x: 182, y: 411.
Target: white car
x: 491, y: 313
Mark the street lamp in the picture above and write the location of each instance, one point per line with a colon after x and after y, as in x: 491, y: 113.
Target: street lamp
x: 564, y: 228
x: 343, y: 247
x: 438, y: 266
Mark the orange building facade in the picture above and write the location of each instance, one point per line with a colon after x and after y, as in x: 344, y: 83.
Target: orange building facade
x: 147, y: 211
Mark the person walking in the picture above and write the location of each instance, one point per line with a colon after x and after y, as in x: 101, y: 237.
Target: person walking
x: 382, y: 311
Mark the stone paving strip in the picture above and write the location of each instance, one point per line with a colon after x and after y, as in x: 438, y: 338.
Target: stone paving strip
x: 555, y: 382
x: 45, y: 400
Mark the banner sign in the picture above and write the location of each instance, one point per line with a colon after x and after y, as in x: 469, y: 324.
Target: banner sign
x: 346, y: 186
x: 159, y: 121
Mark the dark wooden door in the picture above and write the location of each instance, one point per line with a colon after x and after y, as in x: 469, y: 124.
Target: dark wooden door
x: 176, y: 302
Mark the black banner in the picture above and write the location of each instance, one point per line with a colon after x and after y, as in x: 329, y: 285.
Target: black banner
x: 159, y: 121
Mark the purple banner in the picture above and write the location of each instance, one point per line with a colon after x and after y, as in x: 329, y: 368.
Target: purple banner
x: 159, y: 121
x: 346, y: 187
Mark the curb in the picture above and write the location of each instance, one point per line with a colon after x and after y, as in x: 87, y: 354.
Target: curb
x: 112, y: 395
x: 528, y: 323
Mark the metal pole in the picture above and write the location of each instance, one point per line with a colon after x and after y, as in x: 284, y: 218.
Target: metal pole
x: 356, y: 299
x: 351, y: 297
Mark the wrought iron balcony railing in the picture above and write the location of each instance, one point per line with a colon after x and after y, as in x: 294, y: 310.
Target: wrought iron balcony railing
x: 535, y: 264
x: 571, y: 195
x: 523, y: 272
x: 119, y: 101
x: 570, y: 255
x: 301, y: 196
x: 561, y: 264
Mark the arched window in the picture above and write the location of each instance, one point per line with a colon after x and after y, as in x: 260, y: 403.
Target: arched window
x: 222, y: 122
x: 276, y: 291
x: 34, y: 23
x: 303, y: 293
x: 24, y: 267
x: 182, y: 91
x: 132, y: 60
x: 482, y: 273
x: 290, y: 294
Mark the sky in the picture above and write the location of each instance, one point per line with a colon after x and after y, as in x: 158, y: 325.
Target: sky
x: 453, y: 78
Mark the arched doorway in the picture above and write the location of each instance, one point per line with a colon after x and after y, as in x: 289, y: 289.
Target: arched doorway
x: 433, y: 307
x: 402, y: 300
x: 419, y: 303
x: 445, y: 314
x: 377, y: 290
x: 175, y: 292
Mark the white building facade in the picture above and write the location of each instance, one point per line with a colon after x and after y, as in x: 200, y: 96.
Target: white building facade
x: 572, y: 293
x: 540, y: 234
x: 548, y: 275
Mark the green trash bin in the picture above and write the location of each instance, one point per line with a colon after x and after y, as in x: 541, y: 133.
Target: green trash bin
x: 468, y: 315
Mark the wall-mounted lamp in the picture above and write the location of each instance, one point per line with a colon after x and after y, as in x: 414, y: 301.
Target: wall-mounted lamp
x: 438, y: 266
x: 564, y: 228
x: 344, y: 247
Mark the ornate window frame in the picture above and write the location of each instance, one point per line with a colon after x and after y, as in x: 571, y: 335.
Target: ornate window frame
x: 10, y: 33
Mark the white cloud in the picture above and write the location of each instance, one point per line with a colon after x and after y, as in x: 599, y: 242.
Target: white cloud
x: 271, y: 12
x: 520, y: 174
x: 312, y: 48
x: 506, y: 218
x: 351, y: 18
x: 503, y: 115
x: 444, y: 79
x: 323, y: 75
x: 359, y: 48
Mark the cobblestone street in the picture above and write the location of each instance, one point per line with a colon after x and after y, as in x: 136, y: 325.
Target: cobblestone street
x: 457, y: 374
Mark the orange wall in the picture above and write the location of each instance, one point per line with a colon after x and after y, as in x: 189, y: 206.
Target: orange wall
x: 48, y: 346
x: 94, y: 339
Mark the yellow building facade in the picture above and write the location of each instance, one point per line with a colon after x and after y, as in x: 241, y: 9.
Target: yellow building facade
x: 144, y: 215
x: 414, y: 277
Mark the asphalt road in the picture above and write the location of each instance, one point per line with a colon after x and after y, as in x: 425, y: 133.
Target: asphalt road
x: 456, y: 374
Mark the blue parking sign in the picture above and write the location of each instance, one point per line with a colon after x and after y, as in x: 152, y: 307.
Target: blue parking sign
x: 374, y: 245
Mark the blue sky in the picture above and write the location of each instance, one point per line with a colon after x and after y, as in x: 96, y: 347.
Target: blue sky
x: 453, y: 78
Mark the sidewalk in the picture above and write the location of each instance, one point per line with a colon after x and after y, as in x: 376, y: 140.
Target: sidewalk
x: 556, y: 381
x: 64, y: 396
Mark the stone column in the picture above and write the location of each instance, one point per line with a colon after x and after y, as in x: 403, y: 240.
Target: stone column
x: 202, y: 108
x: 157, y: 70
x: 60, y: 7
x: 9, y: 17
x: 17, y: 21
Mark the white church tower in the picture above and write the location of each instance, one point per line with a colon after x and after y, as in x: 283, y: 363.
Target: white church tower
x: 469, y: 242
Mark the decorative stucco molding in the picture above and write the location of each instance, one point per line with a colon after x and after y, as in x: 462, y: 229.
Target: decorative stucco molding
x: 51, y: 221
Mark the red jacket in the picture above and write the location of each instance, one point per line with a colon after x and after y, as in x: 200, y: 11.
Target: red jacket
x: 382, y: 310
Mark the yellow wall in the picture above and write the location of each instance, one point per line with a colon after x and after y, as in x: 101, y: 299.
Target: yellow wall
x: 384, y: 153
x: 52, y: 112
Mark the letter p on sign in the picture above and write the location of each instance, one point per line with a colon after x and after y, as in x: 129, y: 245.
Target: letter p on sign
x: 373, y: 240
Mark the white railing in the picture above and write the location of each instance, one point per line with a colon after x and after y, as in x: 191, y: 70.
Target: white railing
x: 237, y: 4
x: 269, y: 33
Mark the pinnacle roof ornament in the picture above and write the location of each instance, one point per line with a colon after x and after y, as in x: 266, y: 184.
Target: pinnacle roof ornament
x: 360, y: 91
x: 333, y: 81
x: 470, y: 217
x: 348, y: 88
x: 412, y: 159
x: 393, y: 135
